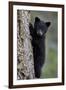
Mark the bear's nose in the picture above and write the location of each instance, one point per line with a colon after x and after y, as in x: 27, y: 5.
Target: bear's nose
x: 39, y: 32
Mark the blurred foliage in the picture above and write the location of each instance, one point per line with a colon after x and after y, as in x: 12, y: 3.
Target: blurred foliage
x: 50, y: 67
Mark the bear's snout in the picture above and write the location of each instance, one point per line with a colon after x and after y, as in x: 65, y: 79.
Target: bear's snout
x: 39, y: 32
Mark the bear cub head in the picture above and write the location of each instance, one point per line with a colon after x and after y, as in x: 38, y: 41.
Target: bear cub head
x: 40, y: 27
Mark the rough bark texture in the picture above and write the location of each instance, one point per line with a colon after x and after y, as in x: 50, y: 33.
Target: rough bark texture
x: 25, y: 64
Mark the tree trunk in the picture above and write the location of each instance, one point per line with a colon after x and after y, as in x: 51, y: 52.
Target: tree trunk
x: 25, y: 62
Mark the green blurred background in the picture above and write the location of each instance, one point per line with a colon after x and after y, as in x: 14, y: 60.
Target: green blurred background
x: 50, y: 67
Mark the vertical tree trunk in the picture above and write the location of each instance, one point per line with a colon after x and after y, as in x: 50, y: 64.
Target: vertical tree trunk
x: 25, y: 64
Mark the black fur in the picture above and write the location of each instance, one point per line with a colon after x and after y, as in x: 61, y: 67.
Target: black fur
x: 38, y: 43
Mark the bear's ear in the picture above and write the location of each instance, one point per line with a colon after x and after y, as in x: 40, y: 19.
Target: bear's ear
x: 47, y: 24
x: 37, y: 19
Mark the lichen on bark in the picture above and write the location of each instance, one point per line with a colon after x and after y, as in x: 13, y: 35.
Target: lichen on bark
x: 25, y: 62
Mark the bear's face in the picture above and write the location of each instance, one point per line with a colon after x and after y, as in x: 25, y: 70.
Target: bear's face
x: 40, y: 27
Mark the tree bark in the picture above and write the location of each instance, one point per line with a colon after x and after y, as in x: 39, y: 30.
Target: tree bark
x: 25, y: 62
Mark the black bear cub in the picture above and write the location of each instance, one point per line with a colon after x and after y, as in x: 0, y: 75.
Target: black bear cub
x: 38, y: 43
